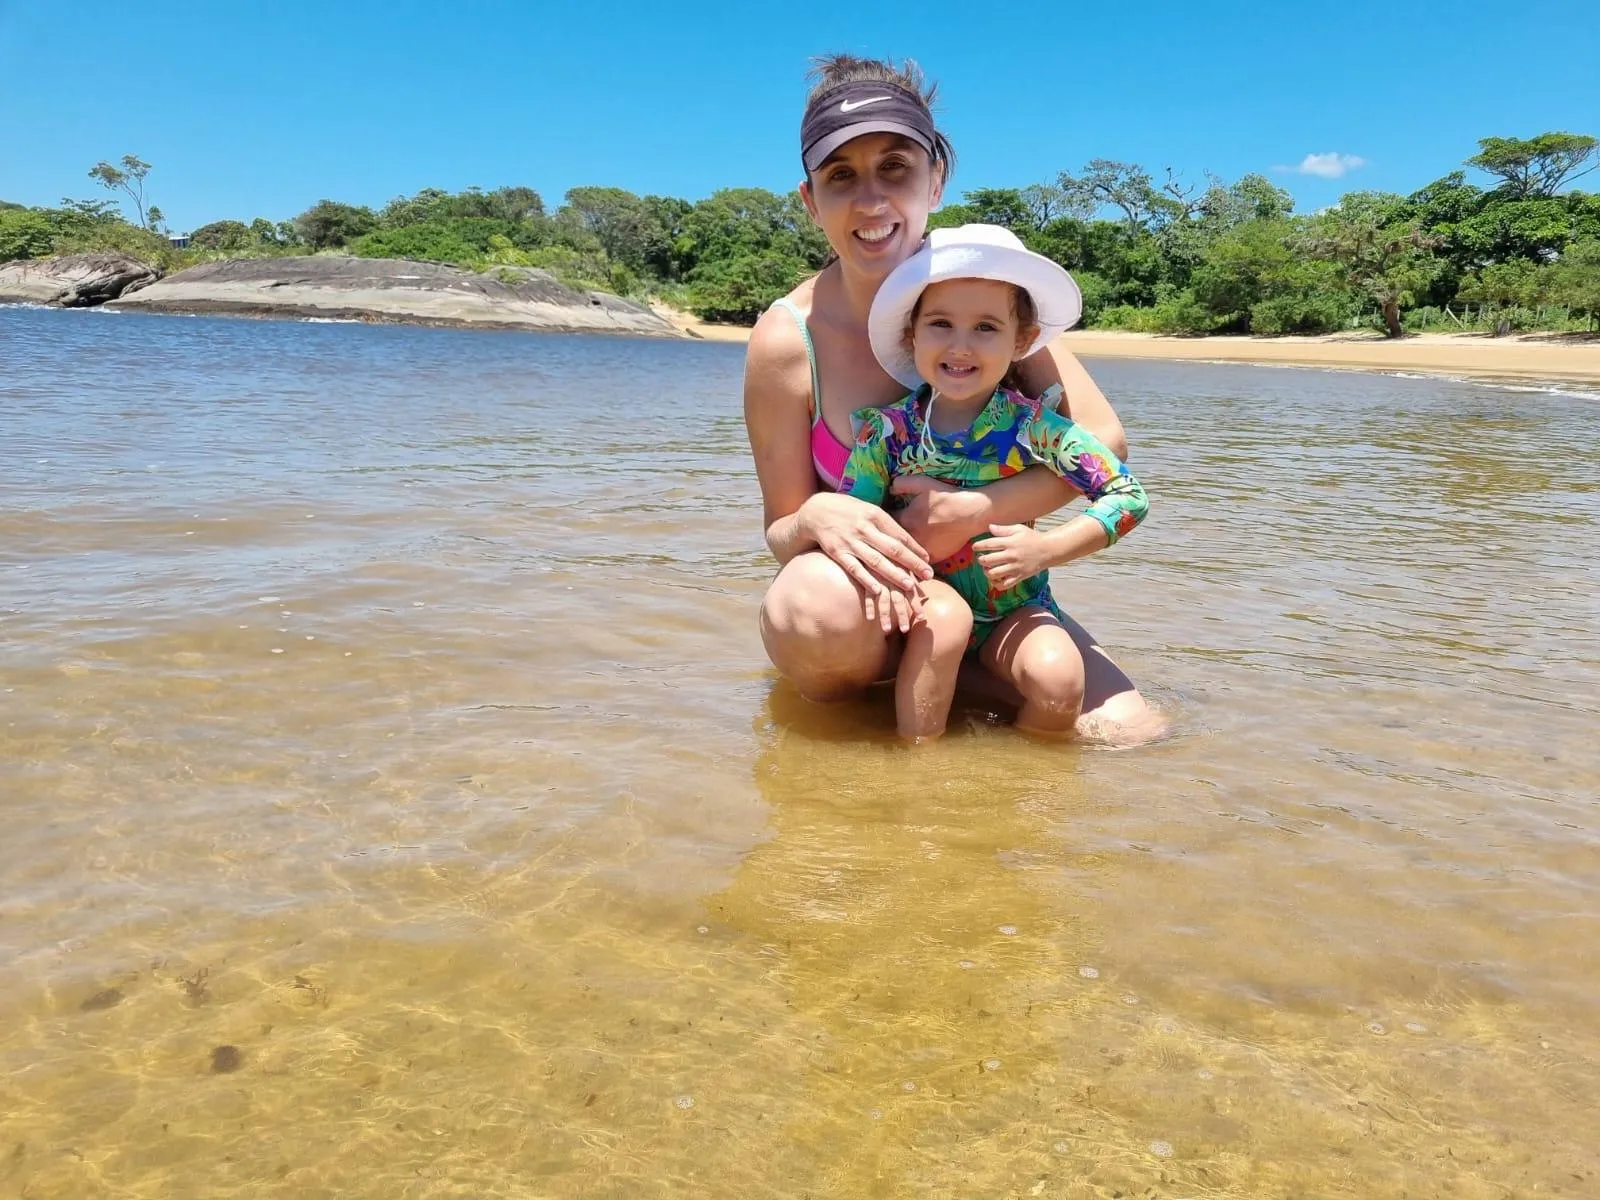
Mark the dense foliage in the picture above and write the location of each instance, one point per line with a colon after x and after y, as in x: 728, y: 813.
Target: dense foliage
x: 1158, y: 257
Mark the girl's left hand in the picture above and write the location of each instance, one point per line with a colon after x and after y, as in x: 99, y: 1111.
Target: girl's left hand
x: 1012, y: 554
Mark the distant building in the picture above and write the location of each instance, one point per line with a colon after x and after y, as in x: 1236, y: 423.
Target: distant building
x: 180, y: 241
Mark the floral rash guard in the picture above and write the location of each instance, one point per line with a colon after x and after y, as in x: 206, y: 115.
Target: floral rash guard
x: 1011, y: 434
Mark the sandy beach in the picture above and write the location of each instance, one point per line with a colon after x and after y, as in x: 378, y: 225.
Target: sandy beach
x: 1529, y: 356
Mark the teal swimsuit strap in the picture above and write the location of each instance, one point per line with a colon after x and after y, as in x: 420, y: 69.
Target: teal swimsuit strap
x: 811, y: 355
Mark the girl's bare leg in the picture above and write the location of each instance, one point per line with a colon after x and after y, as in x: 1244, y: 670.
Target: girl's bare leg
x: 1033, y: 652
x: 926, y: 680
x: 1113, y: 711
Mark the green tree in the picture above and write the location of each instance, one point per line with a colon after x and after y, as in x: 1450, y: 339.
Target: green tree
x: 1002, y: 206
x: 1127, y: 187
x: 1575, y: 279
x: 434, y: 204
x: 1252, y: 198
x: 626, y: 226
x: 1515, y: 285
x: 426, y: 241
x: 514, y: 204
x: 745, y: 247
x: 24, y: 233
x: 327, y: 224
x: 668, y: 262
x: 224, y: 236
x: 1241, y: 268
x: 1536, y: 166
x: 129, y: 179
x: 1531, y: 227
x: 1045, y: 202
x: 742, y: 288
x: 1384, y: 260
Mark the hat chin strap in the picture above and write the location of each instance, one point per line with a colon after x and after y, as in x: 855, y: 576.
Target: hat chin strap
x: 923, y: 443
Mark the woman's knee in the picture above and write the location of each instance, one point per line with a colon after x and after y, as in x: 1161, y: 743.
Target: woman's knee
x: 812, y: 599
x: 1114, y: 710
x: 816, y: 632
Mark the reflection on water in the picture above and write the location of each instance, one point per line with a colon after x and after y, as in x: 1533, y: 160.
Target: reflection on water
x: 397, y: 802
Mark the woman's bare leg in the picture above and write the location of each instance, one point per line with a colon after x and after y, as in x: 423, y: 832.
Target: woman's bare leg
x: 926, y: 680
x: 1114, y: 712
x: 817, y: 634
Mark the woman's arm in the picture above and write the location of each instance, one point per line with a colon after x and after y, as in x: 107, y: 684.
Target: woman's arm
x: 1083, y: 400
x: 862, y: 538
x: 777, y: 421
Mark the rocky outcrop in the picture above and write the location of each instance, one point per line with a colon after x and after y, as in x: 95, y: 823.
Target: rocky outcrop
x: 74, y: 280
x: 391, y: 289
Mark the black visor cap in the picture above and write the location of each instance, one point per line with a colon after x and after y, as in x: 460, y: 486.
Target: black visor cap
x: 855, y: 109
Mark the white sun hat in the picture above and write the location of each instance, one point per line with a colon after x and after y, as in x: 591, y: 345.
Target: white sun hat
x: 968, y: 252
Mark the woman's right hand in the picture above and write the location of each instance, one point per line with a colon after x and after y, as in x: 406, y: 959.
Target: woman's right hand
x: 883, y: 560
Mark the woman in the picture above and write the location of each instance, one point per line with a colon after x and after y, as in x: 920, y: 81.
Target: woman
x: 875, y: 167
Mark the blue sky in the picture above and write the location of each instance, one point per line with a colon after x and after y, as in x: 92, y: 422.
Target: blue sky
x: 248, y: 108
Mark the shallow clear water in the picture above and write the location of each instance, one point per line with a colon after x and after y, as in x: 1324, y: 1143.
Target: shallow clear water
x: 395, y: 801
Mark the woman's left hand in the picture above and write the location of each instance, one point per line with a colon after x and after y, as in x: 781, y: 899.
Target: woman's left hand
x: 942, y: 517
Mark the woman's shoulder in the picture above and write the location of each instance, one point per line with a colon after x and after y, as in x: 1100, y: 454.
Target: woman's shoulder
x: 778, y: 356
x: 778, y: 337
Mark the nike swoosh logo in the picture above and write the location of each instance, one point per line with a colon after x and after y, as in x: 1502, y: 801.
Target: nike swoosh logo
x: 852, y: 105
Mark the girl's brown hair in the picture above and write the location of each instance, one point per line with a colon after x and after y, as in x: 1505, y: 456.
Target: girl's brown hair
x: 830, y: 72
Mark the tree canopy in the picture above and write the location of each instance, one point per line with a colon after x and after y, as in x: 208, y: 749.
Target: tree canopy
x: 1163, y: 255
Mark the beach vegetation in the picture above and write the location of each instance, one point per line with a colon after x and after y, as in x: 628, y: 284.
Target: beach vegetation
x: 129, y: 179
x: 1515, y: 249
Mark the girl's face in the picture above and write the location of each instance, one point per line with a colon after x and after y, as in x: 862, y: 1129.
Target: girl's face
x: 966, y: 334
x: 872, y: 197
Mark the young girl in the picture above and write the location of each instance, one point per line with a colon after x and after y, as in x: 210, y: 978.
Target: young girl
x: 949, y: 322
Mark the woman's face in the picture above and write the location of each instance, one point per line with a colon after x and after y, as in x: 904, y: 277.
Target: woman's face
x: 872, y: 197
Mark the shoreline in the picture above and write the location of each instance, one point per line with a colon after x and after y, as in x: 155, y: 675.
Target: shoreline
x: 376, y: 291
x: 1572, y: 358
x: 332, y: 287
x: 1549, y: 357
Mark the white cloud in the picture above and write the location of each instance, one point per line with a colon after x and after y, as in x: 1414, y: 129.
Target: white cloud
x: 1328, y: 166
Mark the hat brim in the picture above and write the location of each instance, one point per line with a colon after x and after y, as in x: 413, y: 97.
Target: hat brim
x: 825, y: 146
x: 1056, y: 297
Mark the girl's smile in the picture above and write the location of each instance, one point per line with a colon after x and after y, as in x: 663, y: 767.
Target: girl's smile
x: 965, y: 335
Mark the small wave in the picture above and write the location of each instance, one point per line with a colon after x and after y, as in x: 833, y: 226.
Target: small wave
x: 1556, y: 388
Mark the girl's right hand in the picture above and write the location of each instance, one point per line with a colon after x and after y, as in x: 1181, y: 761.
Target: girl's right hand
x: 884, y: 561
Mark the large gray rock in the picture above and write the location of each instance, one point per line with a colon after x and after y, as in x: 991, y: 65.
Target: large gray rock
x: 392, y: 289
x: 74, y: 280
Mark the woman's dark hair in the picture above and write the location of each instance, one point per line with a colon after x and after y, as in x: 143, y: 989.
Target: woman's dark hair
x: 830, y: 72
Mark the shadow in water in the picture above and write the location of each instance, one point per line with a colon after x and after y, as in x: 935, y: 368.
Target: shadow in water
x: 931, y: 943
